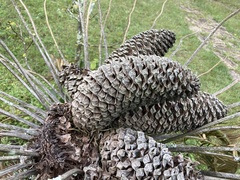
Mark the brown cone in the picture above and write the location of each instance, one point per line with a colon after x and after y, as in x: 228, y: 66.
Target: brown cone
x: 116, y: 88
x: 151, y: 42
x: 184, y: 114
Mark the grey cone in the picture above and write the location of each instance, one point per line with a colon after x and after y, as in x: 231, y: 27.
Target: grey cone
x: 183, y: 114
x: 151, y: 42
x: 129, y: 154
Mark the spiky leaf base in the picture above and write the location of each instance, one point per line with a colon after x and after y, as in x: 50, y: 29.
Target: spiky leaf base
x: 152, y: 42
x: 184, y: 114
x: 113, y: 89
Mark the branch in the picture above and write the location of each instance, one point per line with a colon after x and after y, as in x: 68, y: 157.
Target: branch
x: 210, y: 69
x: 13, y: 133
x: 194, y: 149
x: 221, y: 175
x: 13, y: 116
x: 14, y: 168
x: 226, y: 88
x: 85, y: 37
x: 201, y: 128
x: 129, y: 21
x: 24, y: 104
x: 8, y: 158
x: 13, y: 149
x: 102, y: 33
x: 210, y: 35
x: 50, y: 30
x: 68, y: 174
x: 234, y: 105
x: 180, y: 43
x: 154, y: 22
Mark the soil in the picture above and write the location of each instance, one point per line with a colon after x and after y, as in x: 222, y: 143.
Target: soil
x: 221, y: 43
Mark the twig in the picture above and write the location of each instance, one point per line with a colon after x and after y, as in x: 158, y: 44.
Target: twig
x: 68, y: 174
x: 221, y: 175
x: 24, y: 174
x: 13, y: 116
x: 50, y: 30
x: 7, y: 158
x: 201, y: 128
x: 102, y: 33
x: 13, y: 149
x: 218, y: 128
x: 41, y: 49
x: 26, y: 111
x: 154, y: 22
x: 25, y: 105
x: 13, y: 168
x: 30, y: 131
x: 210, y: 69
x: 85, y: 38
x: 129, y: 21
x: 180, y: 43
x: 234, y: 105
x: 13, y: 133
x: 210, y: 35
x: 186, y: 148
x: 226, y: 88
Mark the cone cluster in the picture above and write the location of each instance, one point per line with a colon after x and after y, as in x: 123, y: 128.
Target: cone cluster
x: 113, y: 89
x: 151, y: 42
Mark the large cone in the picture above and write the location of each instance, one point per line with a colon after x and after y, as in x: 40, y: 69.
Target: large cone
x: 128, y: 154
x: 116, y: 88
x: 184, y: 114
x: 152, y: 42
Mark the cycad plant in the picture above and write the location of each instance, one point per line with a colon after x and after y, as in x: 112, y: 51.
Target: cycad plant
x: 109, y: 123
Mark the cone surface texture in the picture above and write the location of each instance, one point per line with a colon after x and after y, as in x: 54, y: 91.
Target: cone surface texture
x: 184, y: 114
x: 113, y: 89
x: 152, y: 42
x: 129, y: 154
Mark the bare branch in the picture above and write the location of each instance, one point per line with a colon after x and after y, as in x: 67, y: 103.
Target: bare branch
x: 186, y: 148
x: 13, y: 149
x: 8, y: 158
x: 25, y: 105
x: 129, y: 21
x: 13, y: 168
x: 13, y: 133
x: 26, y: 111
x: 68, y: 174
x: 226, y: 88
x: 202, y: 128
x: 41, y: 49
x: 210, y: 69
x: 210, y: 35
x: 234, y: 105
x: 180, y: 43
x: 81, y: 9
x: 221, y: 175
x: 30, y: 131
x: 155, y: 20
x: 102, y: 36
x: 13, y: 116
x: 50, y: 30
x: 24, y: 174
